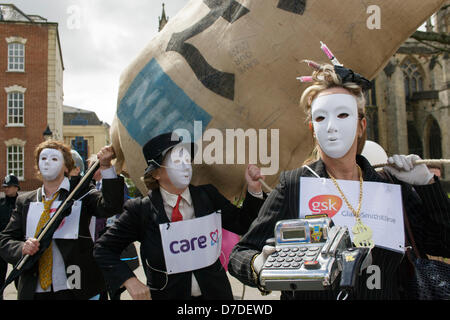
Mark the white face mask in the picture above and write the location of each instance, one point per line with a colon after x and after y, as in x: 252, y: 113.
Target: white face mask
x: 51, y: 162
x: 334, y: 117
x: 178, y: 167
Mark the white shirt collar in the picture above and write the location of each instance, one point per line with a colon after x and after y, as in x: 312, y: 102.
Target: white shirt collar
x: 65, y: 184
x: 171, y: 199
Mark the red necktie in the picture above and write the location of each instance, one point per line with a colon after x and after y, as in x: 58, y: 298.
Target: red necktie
x: 176, y: 214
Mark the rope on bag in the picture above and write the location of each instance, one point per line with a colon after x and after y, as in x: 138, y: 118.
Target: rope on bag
x: 425, y: 161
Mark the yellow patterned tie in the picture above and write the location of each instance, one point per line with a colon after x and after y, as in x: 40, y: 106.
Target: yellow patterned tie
x: 46, y: 260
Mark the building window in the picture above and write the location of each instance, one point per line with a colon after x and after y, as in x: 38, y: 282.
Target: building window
x: 15, y: 108
x: 434, y: 140
x: 15, y: 161
x: 16, y: 57
x: 412, y: 78
x: 80, y: 145
x: 79, y: 121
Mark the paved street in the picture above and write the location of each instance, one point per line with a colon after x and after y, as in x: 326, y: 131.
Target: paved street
x: 238, y: 288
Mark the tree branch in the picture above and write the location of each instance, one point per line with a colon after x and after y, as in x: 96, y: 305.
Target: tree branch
x: 431, y: 36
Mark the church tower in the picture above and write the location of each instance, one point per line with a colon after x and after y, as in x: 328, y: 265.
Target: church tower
x: 163, y: 19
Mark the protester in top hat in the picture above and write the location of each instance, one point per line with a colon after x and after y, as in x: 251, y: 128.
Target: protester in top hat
x: 179, y: 208
x: 100, y: 225
x: 7, y: 203
x: 66, y: 269
x: 334, y: 105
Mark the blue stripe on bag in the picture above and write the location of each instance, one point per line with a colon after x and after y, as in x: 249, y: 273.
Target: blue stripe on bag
x: 154, y: 104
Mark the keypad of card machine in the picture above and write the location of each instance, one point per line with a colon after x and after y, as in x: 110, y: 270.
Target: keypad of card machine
x: 294, y: 257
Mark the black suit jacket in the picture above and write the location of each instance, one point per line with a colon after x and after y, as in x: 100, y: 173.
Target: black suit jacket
x: 140, y: 222
x: 76, y: 252
x: 7, y: 205
x: 428, y: 212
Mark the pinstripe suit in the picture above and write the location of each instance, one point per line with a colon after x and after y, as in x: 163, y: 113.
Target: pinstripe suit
x: 427, y: 210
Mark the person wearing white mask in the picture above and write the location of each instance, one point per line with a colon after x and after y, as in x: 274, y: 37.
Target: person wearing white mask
x: 334, y: 105
x: 175, y: 204
x: 66, y: 269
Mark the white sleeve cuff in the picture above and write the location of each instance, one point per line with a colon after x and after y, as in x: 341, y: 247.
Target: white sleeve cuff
x: 109, y: 173
x: 259, y: 195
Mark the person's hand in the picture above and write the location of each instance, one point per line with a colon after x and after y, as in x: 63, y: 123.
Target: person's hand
x: 137, y: 290
x: 404, y: 169
x: 252, y: 176
x: 259, y: 261
x: 105, y: 155
x: 30, y: 247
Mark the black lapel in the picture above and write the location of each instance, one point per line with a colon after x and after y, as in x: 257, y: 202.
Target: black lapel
x: 369, y: 173
x: 295, y: 175
x: 63, y: 194
x: 318, y: 167
x: 157, y: 201
x: 200, y: 201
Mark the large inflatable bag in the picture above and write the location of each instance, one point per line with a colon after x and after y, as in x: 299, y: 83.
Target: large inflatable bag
x: 226, y: 68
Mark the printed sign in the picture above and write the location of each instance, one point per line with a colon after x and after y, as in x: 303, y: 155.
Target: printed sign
x: 191, y: 244
x: 381, y: 209
x: 325, y: 204
x: 68, y: 229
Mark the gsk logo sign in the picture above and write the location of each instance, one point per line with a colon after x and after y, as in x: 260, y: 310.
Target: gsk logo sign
x: 325, y: 204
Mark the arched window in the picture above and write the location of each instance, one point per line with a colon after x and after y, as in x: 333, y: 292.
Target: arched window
x: 414, y: 140
x: 412, y: 77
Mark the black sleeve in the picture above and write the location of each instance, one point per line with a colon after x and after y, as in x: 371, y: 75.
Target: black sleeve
x: 274, y: 208
x: 235, y: 219
x: 107, y: 202
x: 428, y: 212
x: 108, y: 248
x: 13, y: 236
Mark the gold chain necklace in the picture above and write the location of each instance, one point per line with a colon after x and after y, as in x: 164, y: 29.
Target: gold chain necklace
x: 362, y: 233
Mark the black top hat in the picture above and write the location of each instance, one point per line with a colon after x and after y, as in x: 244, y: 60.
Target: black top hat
x: 11, y: 180
x: 156, y: 148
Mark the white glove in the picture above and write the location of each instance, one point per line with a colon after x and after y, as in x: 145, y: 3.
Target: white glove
x: 406, y: 171
x: 259, y: 261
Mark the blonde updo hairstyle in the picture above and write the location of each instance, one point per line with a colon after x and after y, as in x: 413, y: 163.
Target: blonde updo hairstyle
x: 325, y: 78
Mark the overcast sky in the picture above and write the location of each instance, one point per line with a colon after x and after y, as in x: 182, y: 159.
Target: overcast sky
x: 99, y: 45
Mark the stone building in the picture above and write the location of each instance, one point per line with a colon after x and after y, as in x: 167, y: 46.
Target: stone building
x: 31, y: 94
x: 408, y: 109
x: 84, y: 132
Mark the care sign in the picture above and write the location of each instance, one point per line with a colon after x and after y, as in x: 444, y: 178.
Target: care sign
x: 68, y: 229
x: 381, y: 209
x: 191, y: 244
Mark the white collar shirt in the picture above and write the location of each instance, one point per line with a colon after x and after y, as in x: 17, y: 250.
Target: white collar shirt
x: 59, y: 275
x: 187, y: 211
x: 170, y: 200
